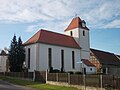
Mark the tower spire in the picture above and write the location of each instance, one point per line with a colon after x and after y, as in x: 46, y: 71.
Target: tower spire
x: 75, y: 15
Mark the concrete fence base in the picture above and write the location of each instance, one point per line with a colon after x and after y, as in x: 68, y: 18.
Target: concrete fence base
x: 76, y: 86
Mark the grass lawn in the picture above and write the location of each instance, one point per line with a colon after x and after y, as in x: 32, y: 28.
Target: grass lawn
x: 35, y: 85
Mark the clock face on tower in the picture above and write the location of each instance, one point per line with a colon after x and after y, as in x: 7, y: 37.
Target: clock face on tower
x: 83, y: 24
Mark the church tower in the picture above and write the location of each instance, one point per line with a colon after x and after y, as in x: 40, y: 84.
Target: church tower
x: 78, y: 29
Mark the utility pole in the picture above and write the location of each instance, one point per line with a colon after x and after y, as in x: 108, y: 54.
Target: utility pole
x: 83, y: 71
x: 101, y: 79
x: 84, y: 77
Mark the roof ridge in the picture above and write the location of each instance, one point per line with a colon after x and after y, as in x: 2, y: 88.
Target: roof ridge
x: 3, y: 52
x: 101, y: 51
x: 39, y: 35
x: 56, y: 33
x: 33, y: 36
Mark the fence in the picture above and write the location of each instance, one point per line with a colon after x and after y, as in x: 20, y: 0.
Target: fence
x: 91, y: 80
x: 71, y: 79
x: 40, y: 76
x: 111, y: 81
x: 24, y: 75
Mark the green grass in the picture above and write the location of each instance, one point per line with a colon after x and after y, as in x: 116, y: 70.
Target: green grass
x: 35, y: 85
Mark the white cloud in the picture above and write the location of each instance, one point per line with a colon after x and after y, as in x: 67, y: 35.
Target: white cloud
x: 97, y: 14
x: 33, y: 10
x: 58, y: 26
x: 102, y: 13
x: 113, y: 24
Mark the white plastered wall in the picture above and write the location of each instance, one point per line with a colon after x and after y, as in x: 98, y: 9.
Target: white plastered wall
x: 56, y: 57
x: 32, y: 57
x: 39, y: 59
x: 83, y: 41
x: 3, y: 60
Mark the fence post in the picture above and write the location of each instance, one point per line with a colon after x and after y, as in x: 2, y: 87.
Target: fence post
x: 34, y: 76
x: 46, y: 75
x: 68, y: 78
x: 84, y: 80
x: 57, y: 77
x: 101, y: 81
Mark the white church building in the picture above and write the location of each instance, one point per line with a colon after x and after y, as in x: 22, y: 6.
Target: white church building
x: 48, y: 49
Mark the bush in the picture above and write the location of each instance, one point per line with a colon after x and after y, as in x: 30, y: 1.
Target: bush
x: 78, y: 72
x: 71, y: 72
x: 51, y: 70
x: 56, y: 71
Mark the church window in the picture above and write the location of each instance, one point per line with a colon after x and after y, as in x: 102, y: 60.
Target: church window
x: 90, y: 69
x: 28, y: 57
x: 73, y: 59
x: 49, y: 57
x: 71, y: 33
x: 62, y: 58
x: 83, y: 33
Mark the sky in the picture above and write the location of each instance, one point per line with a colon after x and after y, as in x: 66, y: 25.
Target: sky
x: 25, y: 17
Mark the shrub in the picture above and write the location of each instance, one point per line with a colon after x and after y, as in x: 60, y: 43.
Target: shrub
x: 56, y: 71
x: 71, y: 72
x: 78, y: 72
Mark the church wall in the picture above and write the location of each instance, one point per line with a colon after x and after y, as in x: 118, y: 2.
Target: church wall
x: 85, y: 54
x: 84, y: 40
x: 32, y: 56
x: 75, y: 34
x: 84, y: 43
x: 74, y: 31
x: 56, y: 57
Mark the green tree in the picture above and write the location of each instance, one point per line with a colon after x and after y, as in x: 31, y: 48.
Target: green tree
x: 16, y: 55
x: 12, y: 55
x: 20, y: 55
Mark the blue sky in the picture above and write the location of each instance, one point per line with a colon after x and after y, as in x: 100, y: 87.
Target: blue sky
x: 25, y: 17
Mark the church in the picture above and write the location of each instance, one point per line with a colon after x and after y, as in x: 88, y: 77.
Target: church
x: 48, y: 49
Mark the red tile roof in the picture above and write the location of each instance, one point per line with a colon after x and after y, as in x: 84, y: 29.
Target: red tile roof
x: 48, y: 37
x: 76, y: 23
x: 106, y: 58
x: 88, y: 63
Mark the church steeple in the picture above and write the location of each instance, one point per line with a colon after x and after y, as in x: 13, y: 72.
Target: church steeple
x: 79, y: 31
x: 76, y: 23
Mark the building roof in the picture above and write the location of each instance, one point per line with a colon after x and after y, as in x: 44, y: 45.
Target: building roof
x: 48, y: 37
x: 88, y: 63
x: 3, y: 53
x: 76, y: 23
x: 106, y: 58
x: 118, y: 56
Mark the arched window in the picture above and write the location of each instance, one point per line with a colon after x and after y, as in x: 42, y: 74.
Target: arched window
x: 83, y: 33
x: 73, y: 59
x: 62, y: 59
x: 50, y: 57
x: 71, y: 33
x: 29, y: 58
